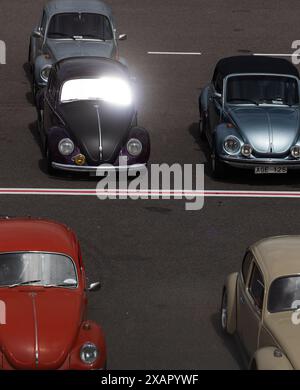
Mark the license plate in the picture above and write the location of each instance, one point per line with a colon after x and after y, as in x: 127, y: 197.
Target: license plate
x: 270, y: 170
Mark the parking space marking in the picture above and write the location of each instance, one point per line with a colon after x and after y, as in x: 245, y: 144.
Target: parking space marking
x: 174, y: 53
x: 150, y: 193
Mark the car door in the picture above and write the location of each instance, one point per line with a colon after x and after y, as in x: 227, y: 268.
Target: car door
x: 250, y: 305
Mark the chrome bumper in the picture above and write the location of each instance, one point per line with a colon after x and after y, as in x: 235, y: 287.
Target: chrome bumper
x: 245, y: 163
x: 101, y: 168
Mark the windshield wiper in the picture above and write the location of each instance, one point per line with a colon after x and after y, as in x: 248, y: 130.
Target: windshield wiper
x: 24, y: 283
x: 60, y: 285
x: 60, y: 34
x: 93, y: 36
x: 244, y: 100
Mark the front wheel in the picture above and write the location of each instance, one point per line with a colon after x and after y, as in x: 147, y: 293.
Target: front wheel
x: 224, y: 312
x: 202, y: 127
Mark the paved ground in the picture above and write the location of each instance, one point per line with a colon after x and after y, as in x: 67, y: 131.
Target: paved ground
x: 161, y: 267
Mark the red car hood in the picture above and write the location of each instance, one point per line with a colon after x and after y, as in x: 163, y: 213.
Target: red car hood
x: 41, y: 326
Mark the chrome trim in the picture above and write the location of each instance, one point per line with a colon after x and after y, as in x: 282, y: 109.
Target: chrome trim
x: 103, y: 168
x: 100, y: 132
x: 36, y: 345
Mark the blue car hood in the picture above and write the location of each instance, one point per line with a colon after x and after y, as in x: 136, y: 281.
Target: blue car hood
x: 60, y: 49
x: 270, y: 130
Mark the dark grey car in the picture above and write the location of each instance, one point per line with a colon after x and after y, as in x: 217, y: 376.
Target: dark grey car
x: 71, y: 28
x: 250, y: 115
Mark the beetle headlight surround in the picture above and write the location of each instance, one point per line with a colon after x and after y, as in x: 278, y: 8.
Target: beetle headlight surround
x: 89, y: 353
x: 295, y: 151
x: 232, y: 145
x: 134, y: 147
x: 66, y: 146
x: 45, y: 72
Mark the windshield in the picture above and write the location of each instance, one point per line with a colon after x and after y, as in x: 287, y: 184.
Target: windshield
x: 38, y: 269
x: 277, y: 90
x: 114, y: 90
x: 80, y: 26
x: 283, y: 293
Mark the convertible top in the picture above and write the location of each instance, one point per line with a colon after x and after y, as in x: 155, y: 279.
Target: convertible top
x: 251, y: 64
x: 54, y: 7
x: 88, y: 67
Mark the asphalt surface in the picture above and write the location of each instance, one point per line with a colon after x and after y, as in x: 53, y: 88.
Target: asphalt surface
x: 162, y: 268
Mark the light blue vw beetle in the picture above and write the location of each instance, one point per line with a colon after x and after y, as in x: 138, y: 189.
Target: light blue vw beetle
x: 71, y: 28
x: 250, y: 115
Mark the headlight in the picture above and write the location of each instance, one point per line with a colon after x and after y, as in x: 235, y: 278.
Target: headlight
x: 295, y: 151
x: 66, y: 146
x: 45, y: 73
x: 89, y: 353
x: 232, y: 145
x: 246, y: 150
x: 134, y: 147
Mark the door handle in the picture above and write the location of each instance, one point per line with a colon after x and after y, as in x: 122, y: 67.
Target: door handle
x: 242, y: 300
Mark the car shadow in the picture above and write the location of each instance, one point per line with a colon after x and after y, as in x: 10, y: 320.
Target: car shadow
x: 229, y: 342
x: 242, y: 176
x: 29, y: 94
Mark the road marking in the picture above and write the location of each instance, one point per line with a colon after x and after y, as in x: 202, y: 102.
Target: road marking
x: 150, y: 193
x: 174, y: 53
x: 276, y: 54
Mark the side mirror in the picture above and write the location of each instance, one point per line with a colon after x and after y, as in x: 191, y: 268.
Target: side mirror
x: 94, y: 287
x: 37, y: 34
x: 122, y: 37
x: 217, y: 95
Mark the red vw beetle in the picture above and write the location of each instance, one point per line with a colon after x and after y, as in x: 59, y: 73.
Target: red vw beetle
x: 43, y: 300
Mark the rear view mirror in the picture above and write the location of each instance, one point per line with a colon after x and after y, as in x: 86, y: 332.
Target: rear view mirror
x: 94, y: 287
x: 122, y: 37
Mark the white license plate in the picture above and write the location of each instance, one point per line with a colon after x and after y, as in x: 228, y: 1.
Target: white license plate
x: 270, y: 170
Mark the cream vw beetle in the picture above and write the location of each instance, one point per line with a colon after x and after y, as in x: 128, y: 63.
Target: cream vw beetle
x: 260, y: 304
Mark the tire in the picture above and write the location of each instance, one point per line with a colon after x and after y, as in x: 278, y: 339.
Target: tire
x: 218, y: 168
x: 224, y: 312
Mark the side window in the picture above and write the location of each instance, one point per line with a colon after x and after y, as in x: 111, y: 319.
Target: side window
x: 246, y: 265
x: 256, y: 287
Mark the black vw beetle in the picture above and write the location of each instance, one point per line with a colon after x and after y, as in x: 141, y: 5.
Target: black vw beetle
x: 88, y: 119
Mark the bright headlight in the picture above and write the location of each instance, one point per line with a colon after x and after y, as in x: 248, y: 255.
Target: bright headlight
x: 66, y: 146
x: 110, y: 89
x: 295, y: 151
x: 89, y: 353
x: 45, y: 73
x: 134, y: 147
x: 232, y: 145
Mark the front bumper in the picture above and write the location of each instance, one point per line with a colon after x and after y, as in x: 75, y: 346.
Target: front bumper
x: 252, y: 163
x: 101, y: 168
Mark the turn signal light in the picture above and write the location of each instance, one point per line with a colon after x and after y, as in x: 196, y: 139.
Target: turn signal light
x: 79, y: 159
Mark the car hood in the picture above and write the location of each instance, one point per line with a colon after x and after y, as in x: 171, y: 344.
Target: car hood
x: 270, y: 130
x: 286, y: 334
x: 90, y: 130
x: 60, y: 49
x: 41, y: 327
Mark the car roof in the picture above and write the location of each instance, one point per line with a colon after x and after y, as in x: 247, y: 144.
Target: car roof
x: 251, y: 64
x: 278, y: 256
x: 54, y: 7
x: 85, y: 67
x: 32, y: 234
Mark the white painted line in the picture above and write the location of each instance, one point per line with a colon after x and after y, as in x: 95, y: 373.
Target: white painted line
x: 276, y: 54
x: 174, y: 53
x: 150, y: 193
